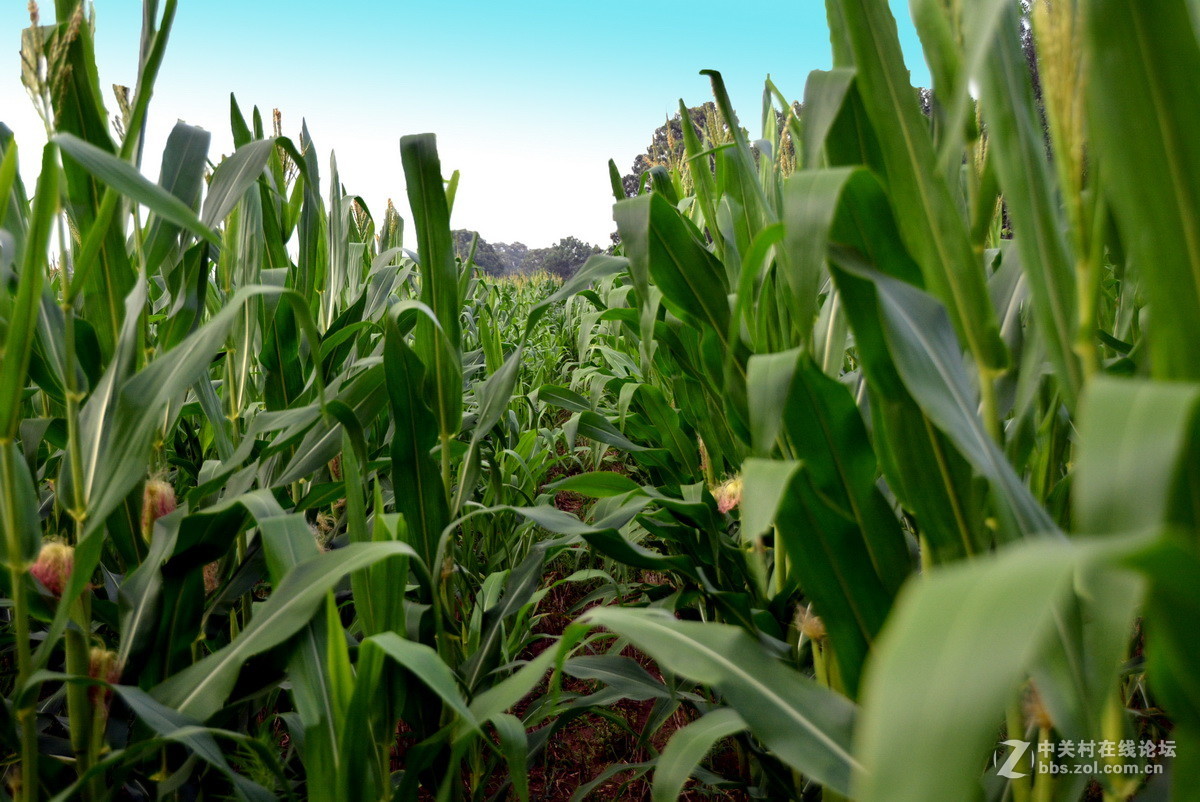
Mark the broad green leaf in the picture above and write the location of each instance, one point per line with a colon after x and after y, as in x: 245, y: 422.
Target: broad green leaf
x: 597, y: 267
x: 923, y: 468
x: 704, y: 184
x: 233, y: 177
x: 595, y: 426
x: 423, y: 502
x: 424, y: 664
x: 928, y: 358
x: 621, y: 674
x: 1172, y: 650
x: 1139, y: 442
x: 1017, y: 147
x: 122, y: 415
x: 173, y: 727
x: 769, y: 378
x: 319, y: 669
x: 514, y: 745
x: 952, y: 655
x: 363, y: 398
x: 670, y: 430
x: 439, y: 279
x: 810, y: 202
x: 687, y: 748
x: 26, y: 303
x: 13, y: 203
x: 929, y: 221
x: 743, y: 186
x: 824, y: 94
x: 597, y: 484
x: 823, y: 427
x: 563, y: 398
x: 201, y: 690
x: 124, y: 178
x: 765, y: 483
x: 152, y: 634
x: 803, y: 724
x: 692, y: 280
x: 18, y: 509
x: 520, y: 585
x: 1143, y: 61
x: 181, y: 174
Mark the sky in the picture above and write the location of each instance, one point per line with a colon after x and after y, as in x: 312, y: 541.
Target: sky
x: 529, y: 100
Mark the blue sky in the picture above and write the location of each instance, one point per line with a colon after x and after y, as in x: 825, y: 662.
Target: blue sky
x: 529, y: 99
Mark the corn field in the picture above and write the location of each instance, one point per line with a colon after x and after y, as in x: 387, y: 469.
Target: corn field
x: 865, y: 466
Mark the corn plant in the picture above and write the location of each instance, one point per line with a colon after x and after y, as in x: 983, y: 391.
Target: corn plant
x: 900, y: 363
x: 232, y: 381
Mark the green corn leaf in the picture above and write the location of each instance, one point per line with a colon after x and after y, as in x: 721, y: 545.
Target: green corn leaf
x: 927, y: 356
x: 563, y: 398
x: 824, y: 94
x: 514, y: 745
x: 931, y: 225
x: 692, y: 280
x: 702, y: 178
x: 620, y: 674
x: 1122, y: 424
x: 1017, y: 147
x: 364, y: 397
x: 119, y: 421
x: 1173, y: 569
x: 425, y: 664
x: 823, y: 427
x: 201, y: 690
x: 519, y: 588
x: 766, y: 482
x: 182, y: 174
x: 27, y: 301
x: 319, y: 669
x: 614, y: 178
x: 171, y: 727
x: 687, y: 748
x: 1144, y: 58
x: 233, y: 178
x: 14, y: 206
x: 945, y: 628
x: 805, y: 725
x: 810, y: 203
x: 439, y: 278
x: 124, y: 178
x: 492, y: 702
x: 18, y: 508
x: 191, y: 540
x: 423, y: 504
x: 595, y: 426
x: 907, y: 444
x: 596, y: 484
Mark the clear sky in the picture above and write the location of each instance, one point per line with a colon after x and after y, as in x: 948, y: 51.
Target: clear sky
x: 529, y: 99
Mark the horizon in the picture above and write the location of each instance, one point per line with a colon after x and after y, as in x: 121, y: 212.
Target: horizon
x: 536, y: 115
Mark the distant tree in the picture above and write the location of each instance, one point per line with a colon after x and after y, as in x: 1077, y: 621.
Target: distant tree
x: 666, y: 143
x: 563, y: 258
x: 1027, y: 44
x: 505, y: 258
x: 485, y: 254
x: 513, y: 255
